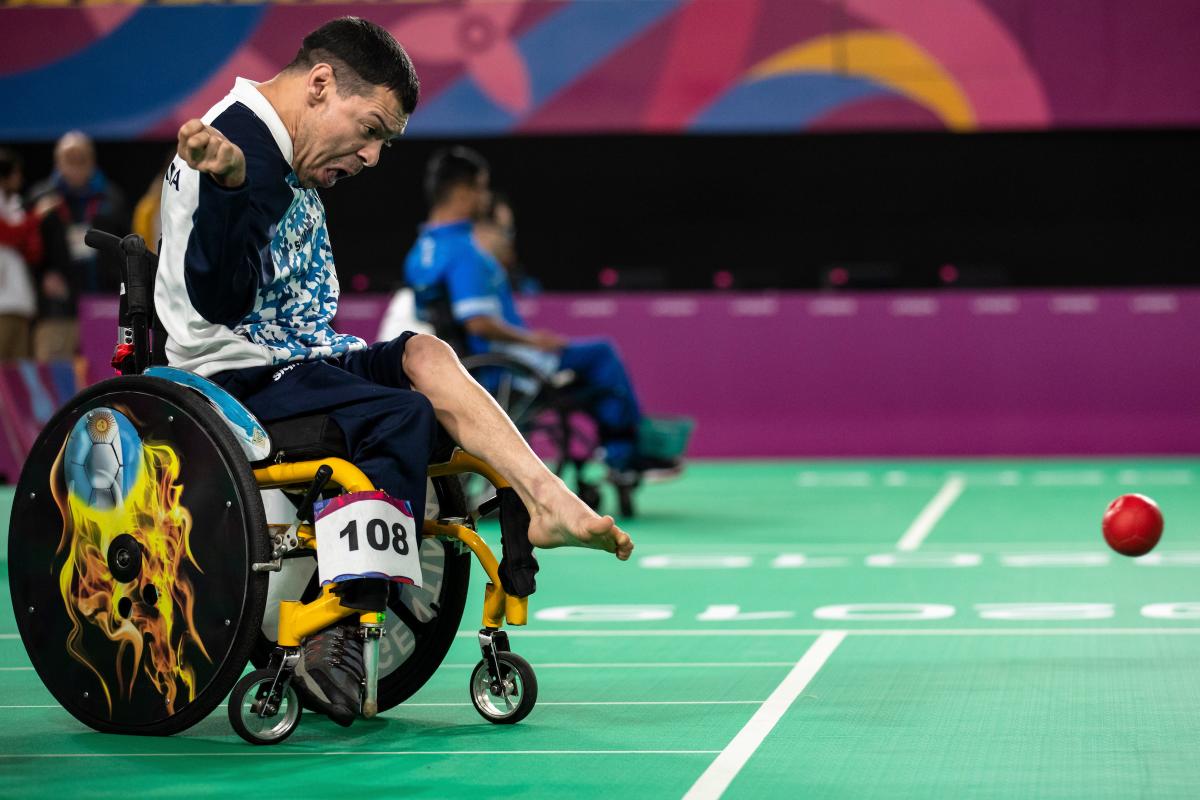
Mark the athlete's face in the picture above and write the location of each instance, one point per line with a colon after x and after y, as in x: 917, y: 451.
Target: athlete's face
x: 341, y: 134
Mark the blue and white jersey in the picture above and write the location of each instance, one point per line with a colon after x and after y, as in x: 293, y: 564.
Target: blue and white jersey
x: 246, y: 275
x: 447, y: 266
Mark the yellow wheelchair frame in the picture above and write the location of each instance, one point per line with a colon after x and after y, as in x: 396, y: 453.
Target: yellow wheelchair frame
x: 262, y: 695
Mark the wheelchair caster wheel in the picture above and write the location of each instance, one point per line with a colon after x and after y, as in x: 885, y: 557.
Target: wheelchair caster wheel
x: 259, y: 715
x: 625, y: 500
x: 510, y: 699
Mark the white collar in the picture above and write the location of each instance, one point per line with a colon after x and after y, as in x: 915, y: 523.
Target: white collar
x: 246, y: 91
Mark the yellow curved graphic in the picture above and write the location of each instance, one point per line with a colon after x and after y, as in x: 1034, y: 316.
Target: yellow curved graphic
x: 887, y: 58
x: 158, y: 628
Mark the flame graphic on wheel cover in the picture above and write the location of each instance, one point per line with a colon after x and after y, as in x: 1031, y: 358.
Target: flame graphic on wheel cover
x: 159, y: 630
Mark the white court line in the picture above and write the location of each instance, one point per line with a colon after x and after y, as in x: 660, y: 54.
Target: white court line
x: 550, y: 703
x: 276, y: 752
x: 600, y: 665
x: 834, y: 548
x: 699, y: 632
x: 716, y: 779
x: 1028, y: 632
x: 929, y: 516
x: 10, y: 636
x: 644, y: 665
x: 567, y: 703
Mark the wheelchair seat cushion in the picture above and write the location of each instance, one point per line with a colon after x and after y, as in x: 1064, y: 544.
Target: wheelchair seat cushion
x: 305, y: 438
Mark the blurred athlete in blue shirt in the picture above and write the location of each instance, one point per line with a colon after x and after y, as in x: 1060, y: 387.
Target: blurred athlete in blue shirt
x: 447, y: 269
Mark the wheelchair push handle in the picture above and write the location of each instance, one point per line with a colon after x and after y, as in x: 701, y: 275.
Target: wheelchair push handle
x: 104, y: 242
x: 135, y: 276
x: 137, y: 303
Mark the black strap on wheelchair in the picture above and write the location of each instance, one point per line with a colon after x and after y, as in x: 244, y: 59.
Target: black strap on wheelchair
x: 363, y: 594
x: 518, y: 566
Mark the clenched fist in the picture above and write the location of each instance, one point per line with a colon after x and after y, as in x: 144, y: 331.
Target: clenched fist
x: 204, y: 148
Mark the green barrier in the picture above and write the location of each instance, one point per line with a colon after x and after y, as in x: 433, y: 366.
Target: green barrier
x: 665, y: 437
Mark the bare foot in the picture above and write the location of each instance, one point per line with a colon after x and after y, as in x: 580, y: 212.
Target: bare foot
x: 560, y: 519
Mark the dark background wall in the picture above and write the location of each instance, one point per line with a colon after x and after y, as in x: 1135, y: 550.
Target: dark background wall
x: 1025, y: 209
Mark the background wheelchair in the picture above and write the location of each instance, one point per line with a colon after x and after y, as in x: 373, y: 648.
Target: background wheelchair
x: 548, y: 407
x: 146, y: 572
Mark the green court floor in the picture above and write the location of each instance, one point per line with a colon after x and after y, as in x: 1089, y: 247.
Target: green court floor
x: 908, y: 629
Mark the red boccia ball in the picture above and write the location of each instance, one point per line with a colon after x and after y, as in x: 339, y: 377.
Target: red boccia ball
x: 1132, y: 524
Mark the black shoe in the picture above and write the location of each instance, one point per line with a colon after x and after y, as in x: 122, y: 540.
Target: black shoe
x: 330, y: 672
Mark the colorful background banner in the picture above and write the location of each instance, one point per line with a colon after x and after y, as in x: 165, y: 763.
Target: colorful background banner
x: 621, y: 66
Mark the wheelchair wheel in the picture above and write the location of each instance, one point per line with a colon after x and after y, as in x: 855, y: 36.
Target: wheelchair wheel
x: 133, y: 529
x: 259, y: 715
x: 421, y: 621
x: 509, y: 700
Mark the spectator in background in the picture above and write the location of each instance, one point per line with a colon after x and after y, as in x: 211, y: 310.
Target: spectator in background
x: 56, y: 330
x: 77, y: 196
x: 20, y: 250
x: 84, y: 198
x: 450, y: 273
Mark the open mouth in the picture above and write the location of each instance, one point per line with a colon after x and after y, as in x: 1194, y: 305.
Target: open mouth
x: 335, y: 174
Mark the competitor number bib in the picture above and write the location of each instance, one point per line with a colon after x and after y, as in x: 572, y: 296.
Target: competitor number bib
x: 367, y: 535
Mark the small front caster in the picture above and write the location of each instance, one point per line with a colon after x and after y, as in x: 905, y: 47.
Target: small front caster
x: 264, y: 708
x: 625, y: 500
x: 509, y: 697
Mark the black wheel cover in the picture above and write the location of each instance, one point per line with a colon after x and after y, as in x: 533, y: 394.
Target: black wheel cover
x: 156, y: 652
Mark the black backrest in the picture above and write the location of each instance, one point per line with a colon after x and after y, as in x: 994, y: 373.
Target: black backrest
x: 446, y: 327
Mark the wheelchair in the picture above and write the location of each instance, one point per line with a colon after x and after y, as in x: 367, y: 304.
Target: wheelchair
x: 146, y: 575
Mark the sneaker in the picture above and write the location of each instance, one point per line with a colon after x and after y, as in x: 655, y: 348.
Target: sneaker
x: 330, y: 671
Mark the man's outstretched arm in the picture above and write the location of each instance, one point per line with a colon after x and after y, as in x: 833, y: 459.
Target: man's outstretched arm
x: 222, y: 270
x: 495, y: 329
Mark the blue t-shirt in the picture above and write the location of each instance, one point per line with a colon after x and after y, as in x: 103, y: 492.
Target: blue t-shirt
x: 446, y: 267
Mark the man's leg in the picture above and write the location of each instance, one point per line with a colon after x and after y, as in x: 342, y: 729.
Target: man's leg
x: 615, y: 406
x: 390, y: 438
x: 557, y: 517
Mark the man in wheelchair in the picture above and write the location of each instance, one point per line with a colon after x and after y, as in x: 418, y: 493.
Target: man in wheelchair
x: 246, y: 290
x: 451, y: 273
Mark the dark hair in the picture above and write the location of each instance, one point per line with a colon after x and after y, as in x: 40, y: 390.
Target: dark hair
x: 454, y: 166
x: 363, y: 56
x: 10, y: 162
